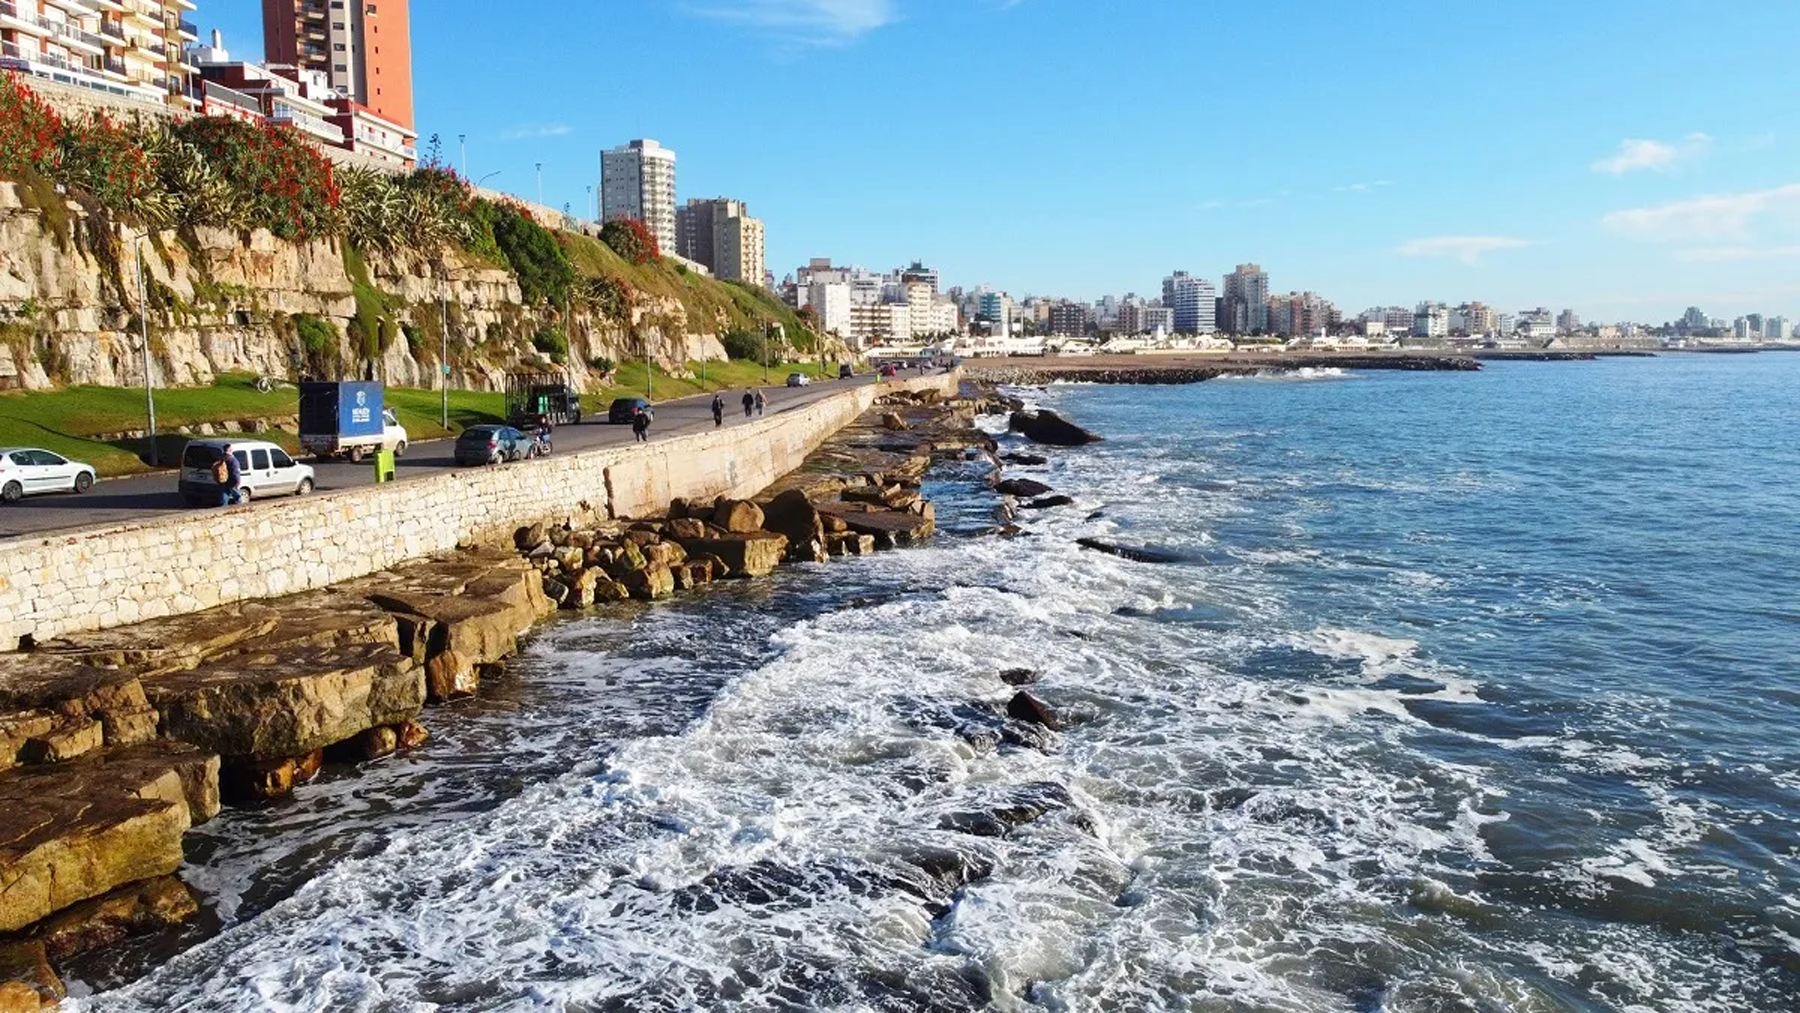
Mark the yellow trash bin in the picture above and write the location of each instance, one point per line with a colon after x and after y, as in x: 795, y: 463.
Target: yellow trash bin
x: 384, y: 466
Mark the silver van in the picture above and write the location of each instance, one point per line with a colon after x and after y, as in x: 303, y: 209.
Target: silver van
x: 266, y: 470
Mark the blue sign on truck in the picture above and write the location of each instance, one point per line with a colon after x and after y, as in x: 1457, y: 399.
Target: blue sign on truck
x: 340, y: 409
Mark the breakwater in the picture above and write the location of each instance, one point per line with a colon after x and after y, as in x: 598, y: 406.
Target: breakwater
x: 1148, y: 370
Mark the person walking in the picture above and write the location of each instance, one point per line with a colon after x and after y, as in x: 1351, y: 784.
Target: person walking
x: 230, y: 477
x: 640, y: 425
x: 760, y: 402
x: 718, y: 407
x: 749, y: 403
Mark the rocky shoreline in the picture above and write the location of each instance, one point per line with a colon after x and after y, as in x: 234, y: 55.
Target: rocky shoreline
x: 113, y: 744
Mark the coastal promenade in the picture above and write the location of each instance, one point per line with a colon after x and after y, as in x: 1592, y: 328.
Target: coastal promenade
x: 141, y: 497
x: 109, y: 575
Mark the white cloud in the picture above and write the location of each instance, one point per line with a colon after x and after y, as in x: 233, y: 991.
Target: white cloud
x: 808, y: 22
x: 1718, y: 218
x: 1467, y: 249
x: 1362, y: 187
x: 529, y: 130
x: 1718, y: 254
x: 1635, y: 154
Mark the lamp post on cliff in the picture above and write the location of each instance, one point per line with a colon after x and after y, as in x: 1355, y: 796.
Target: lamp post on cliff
x: 540, y: 177
x: 444, y: 358
x: 144, y: 344
x: 485, y: 178
x: 462, y: 144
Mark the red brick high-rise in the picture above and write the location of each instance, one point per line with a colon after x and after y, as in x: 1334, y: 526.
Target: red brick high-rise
x: 363, y: 46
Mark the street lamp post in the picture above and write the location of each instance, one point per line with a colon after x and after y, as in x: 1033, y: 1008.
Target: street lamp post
x: 144, y: 340
x: 485, y: 178
x: 444, y: 357
x: 540, y: 178
x: 462, y: 144
x: 765, y: 355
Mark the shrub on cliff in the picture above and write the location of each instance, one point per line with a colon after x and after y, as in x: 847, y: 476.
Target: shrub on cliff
x: 552, y: 342
x: 630, y: 239
x: 30, y: 131
x: 534, y: 255
x: 285, y: 184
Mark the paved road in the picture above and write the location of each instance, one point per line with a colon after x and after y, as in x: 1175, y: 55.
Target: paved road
x: 145, y: 496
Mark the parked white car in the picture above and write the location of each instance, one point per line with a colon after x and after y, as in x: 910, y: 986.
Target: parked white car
x: 798, y: 380
x: 265, y: 470
x: 27, y: 471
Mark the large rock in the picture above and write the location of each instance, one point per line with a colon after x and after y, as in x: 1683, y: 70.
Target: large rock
x: 1045, y: 426
x: 78, y: 830
x: 756, y: 554
x: 28, y: 984
x: 652, y: 582
x: 1024, y: 487
x: 288, y: 703
x: 891, y: 529
x: 792, y: 514
x: 55, y: 705
x: 131, y: 910
x: 738, y: 517
x: 681, y: 528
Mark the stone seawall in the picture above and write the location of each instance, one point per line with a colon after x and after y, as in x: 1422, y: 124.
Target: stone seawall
x: 98, y: 578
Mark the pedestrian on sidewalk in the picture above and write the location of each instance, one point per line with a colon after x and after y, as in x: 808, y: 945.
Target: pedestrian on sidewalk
x: 718, y: 407
x: 760, y: 402
x: 640, y: 425
x: 749, y: 403
x: 230, y: 476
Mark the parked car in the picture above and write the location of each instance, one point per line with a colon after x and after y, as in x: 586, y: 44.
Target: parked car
x: 890, y: 370
x: 844, y: 371
x: 492, y: 444
x: 624, y: 408
x: 798, y: 379
x: 26, y: 471
x: 264, y: 469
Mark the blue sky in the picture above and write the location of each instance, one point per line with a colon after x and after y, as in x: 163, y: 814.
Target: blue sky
x: 1623, y: 157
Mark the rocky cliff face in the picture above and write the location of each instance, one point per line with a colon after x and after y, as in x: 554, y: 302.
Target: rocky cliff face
x: 222, y: 301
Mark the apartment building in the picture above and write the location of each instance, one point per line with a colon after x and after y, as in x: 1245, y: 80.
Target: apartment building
x: 1069, y: 319
x: 721, y: 234
x: 1194, y: 302
x: 363, y: 47
x: 637, y: 180
x: 1245, y: 301
x: 126, y: 48
x: 302, y: 98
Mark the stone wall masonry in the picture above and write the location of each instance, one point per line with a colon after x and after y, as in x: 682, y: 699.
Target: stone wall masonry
x: 101, y: 577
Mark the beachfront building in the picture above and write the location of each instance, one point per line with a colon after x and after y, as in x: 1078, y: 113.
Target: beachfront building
x: 364, y: 49
x: 637, y: 180
x: 1192, y: 301
x: 721, y: 234
x: 1244, y: 301
x: 131, y: 49
x: 1068, y: 319
x: 301, y: 98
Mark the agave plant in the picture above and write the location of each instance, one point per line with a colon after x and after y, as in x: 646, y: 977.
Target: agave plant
x: 374, y: 208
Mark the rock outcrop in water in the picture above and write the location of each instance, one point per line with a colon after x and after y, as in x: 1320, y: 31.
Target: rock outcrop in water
x: 1045, y: 426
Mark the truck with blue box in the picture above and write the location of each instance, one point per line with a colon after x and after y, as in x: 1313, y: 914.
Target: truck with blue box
x: 347, y: 419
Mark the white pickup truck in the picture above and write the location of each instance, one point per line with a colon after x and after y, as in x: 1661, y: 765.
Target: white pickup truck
x: 392, y: 437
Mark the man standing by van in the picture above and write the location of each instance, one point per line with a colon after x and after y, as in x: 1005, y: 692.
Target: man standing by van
x: 230, y: 476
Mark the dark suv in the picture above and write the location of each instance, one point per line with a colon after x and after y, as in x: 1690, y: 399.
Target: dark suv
x: 624, y: 408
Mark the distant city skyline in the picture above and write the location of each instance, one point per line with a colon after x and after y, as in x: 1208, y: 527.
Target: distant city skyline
x: 1381, y: 159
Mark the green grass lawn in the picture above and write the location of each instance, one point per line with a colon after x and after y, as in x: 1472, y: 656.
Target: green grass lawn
x: 71, y: 422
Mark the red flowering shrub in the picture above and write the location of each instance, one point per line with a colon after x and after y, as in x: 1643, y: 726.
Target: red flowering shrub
x: 287, y: 185
x: 29, y: 129
x: 631, y: 239
x: 106, y: 160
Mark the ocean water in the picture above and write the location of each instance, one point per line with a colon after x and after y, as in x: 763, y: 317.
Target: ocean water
x: 1467, y: 692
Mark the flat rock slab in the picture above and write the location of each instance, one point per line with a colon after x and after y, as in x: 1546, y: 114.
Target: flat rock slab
x: 78, y: 830
x: 890, y: 528
x: 756, y: 554
x: 53, y: 708
x: 171, y: 643
x: 290, y: 702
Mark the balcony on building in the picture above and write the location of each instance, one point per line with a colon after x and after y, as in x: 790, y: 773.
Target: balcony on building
x: 19, y: 18
x: 72, y: 35
x: 188, y: 29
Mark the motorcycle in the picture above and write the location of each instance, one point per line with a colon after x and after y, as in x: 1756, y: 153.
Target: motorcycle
x: 540, y: 444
